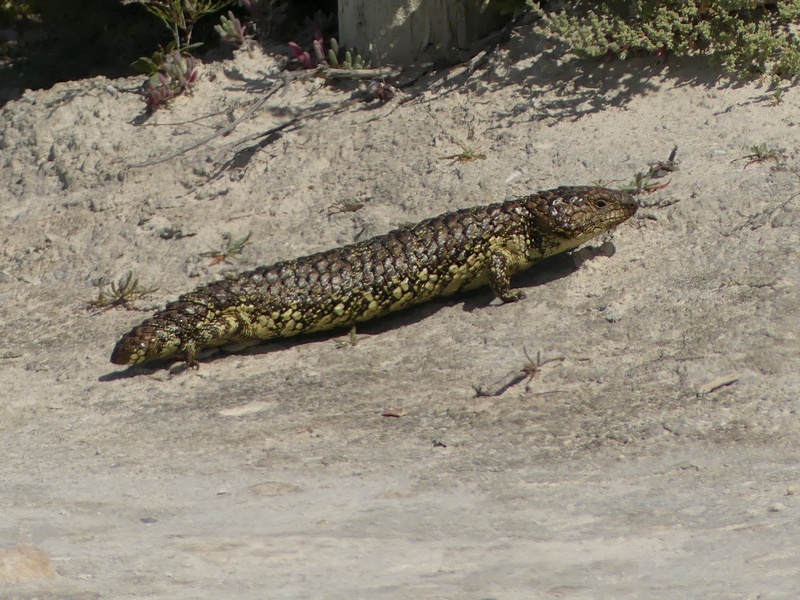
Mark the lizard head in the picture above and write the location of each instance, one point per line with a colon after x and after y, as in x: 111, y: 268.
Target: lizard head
x: 145, y: 342
x: 574, y: 215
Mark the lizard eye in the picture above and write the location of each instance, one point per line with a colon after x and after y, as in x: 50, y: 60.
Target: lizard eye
x: 600, y: 203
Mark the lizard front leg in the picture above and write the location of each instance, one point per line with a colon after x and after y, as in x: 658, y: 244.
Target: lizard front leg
x: 500, y: 276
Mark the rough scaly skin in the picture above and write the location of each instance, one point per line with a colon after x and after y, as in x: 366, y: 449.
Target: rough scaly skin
x: 437, y: 257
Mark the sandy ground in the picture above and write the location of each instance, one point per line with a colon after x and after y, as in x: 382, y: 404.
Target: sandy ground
x: 274, y: 473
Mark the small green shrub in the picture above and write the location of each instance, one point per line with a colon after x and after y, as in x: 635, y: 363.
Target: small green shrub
x: 231, y: 30
x: 748, y: 37
x: 173, y: 71
x: 179, y: 16
x: 118, y: 293
x: 11, y: 10
x: 331, y: 59
x: 229, y: 250
x: 170, y: 73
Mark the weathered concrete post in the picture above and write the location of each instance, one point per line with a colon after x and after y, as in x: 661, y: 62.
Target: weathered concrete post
x: 403, y: 31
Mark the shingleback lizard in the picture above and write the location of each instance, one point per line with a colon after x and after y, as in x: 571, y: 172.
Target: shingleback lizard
x: 440, y: 256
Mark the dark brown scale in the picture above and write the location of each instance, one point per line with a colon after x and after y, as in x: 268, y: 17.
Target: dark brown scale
x: 466, y: 248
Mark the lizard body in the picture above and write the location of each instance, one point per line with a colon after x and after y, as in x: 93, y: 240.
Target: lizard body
x: 440, y: 256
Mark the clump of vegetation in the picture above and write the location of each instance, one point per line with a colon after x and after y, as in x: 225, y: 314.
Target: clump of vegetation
x: 231, y: 248
x: 231, y: 31
x: 173, y: 71
x: 643, y: 181
x: 119, y: 293
x: 467, y: 154
x: 349, y: 61
x: 760, y: 153
x: 180, y: 16
x: 12, y: 10
x: 333, y: 58
x: 749, y: 38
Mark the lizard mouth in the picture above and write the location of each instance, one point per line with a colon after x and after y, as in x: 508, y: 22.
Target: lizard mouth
x: 143, y: 343
x: 125, y: 352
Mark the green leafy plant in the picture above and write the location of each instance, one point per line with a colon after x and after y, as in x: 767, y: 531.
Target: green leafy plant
x: 350, y: 60
x: 643, y: 181
x: 171, y: 73
x: 11, y: 10
x: 760, y: 153
x: 776, y: 97
x: 467, y: 154
x: 747, y: 37
x: 231, y: 31
x: 231, y: 248
x: 119, y: 293
x: 179, y: 16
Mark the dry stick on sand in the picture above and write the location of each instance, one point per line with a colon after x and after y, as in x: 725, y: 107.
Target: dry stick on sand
x: 528, y: 370
x: 717, y: 383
